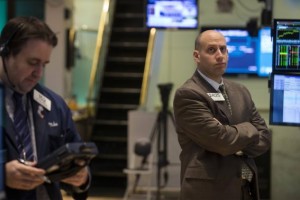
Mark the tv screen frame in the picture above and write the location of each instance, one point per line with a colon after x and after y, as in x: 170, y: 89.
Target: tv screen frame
x: 284, y: 92
x: 238, y: 71
x: 281, y: 47
x: 172, y: 14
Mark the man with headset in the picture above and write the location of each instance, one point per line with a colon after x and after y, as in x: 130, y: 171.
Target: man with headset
x: 26, y: 44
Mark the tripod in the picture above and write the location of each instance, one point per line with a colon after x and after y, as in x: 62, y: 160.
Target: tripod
x: 160, y: 132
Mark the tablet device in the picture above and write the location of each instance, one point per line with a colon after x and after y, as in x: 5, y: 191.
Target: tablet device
x: 68, y: 160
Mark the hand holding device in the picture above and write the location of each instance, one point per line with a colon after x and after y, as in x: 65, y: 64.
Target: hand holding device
x: 67, y: 160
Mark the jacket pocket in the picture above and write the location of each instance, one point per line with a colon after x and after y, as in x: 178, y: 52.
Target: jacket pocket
x: 56, y: 139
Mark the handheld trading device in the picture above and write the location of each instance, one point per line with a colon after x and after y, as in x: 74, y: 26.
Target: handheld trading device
x: 68, y: 160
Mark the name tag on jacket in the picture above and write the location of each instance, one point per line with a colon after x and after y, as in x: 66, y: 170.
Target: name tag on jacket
x: 216, y: 96
x: 42, y: 100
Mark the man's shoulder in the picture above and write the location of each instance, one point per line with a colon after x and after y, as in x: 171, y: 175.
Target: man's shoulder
x: 188, y: 84
x: 233, y: 84
x: 196, y: 82
x: 193, y: 87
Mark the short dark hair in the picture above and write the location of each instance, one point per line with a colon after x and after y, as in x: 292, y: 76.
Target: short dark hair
x: 19, y: 30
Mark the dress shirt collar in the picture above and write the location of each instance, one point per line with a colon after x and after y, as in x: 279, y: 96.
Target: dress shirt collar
x: 213, y: 83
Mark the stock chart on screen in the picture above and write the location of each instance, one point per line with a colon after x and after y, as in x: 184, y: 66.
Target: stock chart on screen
x: 286, y: 45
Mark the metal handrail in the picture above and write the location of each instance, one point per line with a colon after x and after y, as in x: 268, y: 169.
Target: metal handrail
x: 147, y: 68
x: 101, y: 27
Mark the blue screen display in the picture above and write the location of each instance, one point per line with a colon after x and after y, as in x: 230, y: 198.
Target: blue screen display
x: 175, y: 14
x: 241, y: 49
x: 248, y: 55
x: 264, y: 52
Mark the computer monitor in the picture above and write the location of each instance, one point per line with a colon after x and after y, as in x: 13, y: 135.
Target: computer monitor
x: 264, y: 52
x: 241, y: 48
x: 286, y: 45
x: 174, y: 14
x: 285, y: 99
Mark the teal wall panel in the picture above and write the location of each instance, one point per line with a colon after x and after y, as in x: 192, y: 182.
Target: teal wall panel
x: 30, y: 8
x: 3, y: 13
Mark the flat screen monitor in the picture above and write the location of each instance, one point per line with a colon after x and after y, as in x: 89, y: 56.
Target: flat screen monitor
x: 174, y: 14
x: 286, y: 45
x: 264, y: 52
x: 285, y: 99
x: 241, y: 48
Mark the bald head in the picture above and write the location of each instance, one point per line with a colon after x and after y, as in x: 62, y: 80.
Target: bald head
x: 206, y: 35
x: 211, y: 54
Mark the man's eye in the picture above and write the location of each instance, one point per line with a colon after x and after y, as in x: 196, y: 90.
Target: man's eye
x: 211, y: 50
x: 33, y: 63
x: 223, y: 49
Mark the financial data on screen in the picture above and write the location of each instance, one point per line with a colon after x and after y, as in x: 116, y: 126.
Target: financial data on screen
x: 286, y: 45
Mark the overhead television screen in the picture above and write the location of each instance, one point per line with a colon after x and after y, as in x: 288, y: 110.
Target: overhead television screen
x: 176, y: 14
x: 286, y: 45
x: 241, y: 48
x: 285, y: 99
x: 264, y: 52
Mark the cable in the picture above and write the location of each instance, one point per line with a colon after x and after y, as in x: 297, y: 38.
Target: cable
x: 6, y: 72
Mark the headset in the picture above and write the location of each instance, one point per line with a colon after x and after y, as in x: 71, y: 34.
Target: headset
x: 4, y: 49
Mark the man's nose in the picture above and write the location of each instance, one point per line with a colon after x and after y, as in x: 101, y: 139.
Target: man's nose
x: 219, y: 53
x: 38, y: 72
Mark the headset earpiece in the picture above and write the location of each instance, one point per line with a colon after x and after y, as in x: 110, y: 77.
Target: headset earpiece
x: 4, y: 49
x: 1, y: 50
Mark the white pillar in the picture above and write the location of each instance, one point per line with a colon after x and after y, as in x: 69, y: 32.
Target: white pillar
x: 54, y: 76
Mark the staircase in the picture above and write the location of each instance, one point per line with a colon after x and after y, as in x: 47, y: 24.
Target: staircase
x: 119, y: 92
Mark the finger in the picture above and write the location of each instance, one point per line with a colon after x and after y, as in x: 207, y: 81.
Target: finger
x: 80, y: 162
x: 74, y: 180
x: 31, y: 170
x: 29, y: 184
x: 33, y: 179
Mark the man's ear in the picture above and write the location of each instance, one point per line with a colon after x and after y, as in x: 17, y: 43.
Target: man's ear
x: 196, y: 56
